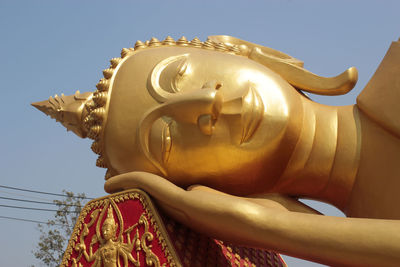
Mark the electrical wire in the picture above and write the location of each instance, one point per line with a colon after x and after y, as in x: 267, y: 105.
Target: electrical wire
x: 12, y: 193
x: 40, y: 202
x: 39, y: 192
x: 29, y: 208
x: 26, y: 220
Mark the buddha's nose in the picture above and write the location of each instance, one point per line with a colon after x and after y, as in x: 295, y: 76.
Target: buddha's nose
x: 201, y: 107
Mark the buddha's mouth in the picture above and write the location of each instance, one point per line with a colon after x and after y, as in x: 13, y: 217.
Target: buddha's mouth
x: 250, y: 107
x: 251, y: 113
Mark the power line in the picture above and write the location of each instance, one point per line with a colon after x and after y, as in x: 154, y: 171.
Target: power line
x: 23, y: 195
x: 26, y: 220
x: 28, y: 208
x: 40, y: 202
x: 39, y: 192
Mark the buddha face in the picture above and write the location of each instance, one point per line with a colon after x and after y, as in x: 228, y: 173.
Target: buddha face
x: 108, y: 231
x: 198, y: 116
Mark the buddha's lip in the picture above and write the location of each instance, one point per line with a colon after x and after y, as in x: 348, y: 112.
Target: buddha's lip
x: 251, y: 114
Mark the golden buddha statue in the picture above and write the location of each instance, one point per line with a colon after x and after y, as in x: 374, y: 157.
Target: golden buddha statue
x: 221, y: 134
x: 110, y: 248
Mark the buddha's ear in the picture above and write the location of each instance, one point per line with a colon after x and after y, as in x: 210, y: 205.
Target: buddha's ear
x: 246, y: 47
x: 291, y: 69
x: 164, y: 78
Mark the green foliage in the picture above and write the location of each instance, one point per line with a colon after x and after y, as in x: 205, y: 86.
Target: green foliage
x: 55, y: 234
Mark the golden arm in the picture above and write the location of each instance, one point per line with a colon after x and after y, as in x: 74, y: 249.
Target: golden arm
x: 325, y: 239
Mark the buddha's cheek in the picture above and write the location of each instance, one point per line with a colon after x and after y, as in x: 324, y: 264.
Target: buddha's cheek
x: 198, y: 158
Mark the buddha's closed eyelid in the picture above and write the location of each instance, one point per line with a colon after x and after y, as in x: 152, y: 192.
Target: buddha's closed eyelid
x: 163, y: 80
x: 182, y: 70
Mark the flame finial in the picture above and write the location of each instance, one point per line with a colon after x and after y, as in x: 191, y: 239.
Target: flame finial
x: 69, y: 110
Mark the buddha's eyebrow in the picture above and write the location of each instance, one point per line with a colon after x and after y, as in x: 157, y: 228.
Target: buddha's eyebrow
x: 155, y: 89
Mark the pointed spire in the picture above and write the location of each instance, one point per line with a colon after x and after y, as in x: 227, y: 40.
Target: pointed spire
x: 196, y: 42
x: 68, y: 110
x: 168, y: 41
x: 110, y: 218
x: 183, y: 41
x: 154, y: 42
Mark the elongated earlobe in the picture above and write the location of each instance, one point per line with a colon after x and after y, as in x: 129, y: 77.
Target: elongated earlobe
x: 305, y: 80
x: 291, y: 69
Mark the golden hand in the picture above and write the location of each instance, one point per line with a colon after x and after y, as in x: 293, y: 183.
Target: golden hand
x: 269, y: 225
x: 204, y: 209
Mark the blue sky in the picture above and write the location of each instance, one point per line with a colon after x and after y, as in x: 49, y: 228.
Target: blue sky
x: 50, y: 47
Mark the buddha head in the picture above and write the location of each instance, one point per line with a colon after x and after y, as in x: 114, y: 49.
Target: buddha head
x: 109, y: 227
x: 200, y: 112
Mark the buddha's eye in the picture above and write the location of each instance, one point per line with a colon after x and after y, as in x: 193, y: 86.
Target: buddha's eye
x: 182, y: 70
x: 167, y: 75
x: 182, y: 67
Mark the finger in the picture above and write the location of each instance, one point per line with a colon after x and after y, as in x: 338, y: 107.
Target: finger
x: 155, y: 185
x: 268, y: 203
x: 286, y: 202
x: 205, y: 189
x: 169, y: 196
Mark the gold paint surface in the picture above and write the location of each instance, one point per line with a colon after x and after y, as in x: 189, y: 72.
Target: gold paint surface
x: 231, y: 117
x: 111, y: 248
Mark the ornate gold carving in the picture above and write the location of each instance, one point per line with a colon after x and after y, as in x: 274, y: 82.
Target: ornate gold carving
x: 139, y: 44
x: 154, y: 42
x: 125, y: 52
x: 103, y: 85
x: 182, y: 41
x: 108, y: 73
x: 98, y: 113
x: 94, y: 132
x: 100, y: 162
x: 209, y: 44
x: 169, y: 41
x: 96, y: 148
x: 196, y: 42
x: 115, y: 61
x: 151, y: 258
x: 113, y: 247
x: 69, y: 110
x: 100, y: 98
x: 221, y: 47
x: 93, y: 119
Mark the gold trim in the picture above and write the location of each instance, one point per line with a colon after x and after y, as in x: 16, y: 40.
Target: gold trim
x: 153, y: 216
